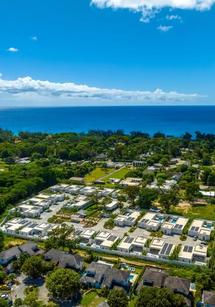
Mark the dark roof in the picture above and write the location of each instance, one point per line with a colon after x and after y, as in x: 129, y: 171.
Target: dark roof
x: 177, y: 284
x: 30, y: 248
x: 114, y: 277
x: 63, y: 259
x: 14, y: 252
x: 105, y: 275
x: 10, y: 254
x: 154, y: 277
x: 208, y: 297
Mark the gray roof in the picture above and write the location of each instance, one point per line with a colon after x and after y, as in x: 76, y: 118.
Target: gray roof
x: 105, y: 275
x: 10, y: 254
x: 208, y: 297
x: 154, y: 277
x: 177, y: 284
x: 14, y: 252
x: 30, y: 248
x: 63, y: 259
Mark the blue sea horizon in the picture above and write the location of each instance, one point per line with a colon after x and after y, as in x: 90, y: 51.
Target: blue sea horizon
x: 171, y: 120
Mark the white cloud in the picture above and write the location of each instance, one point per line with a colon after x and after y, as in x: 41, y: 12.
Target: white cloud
x: 148, y: 8
x: 34, y: 38
x: 164, y: 28
x: 36, y: 91
x: 12, y: 49
x: 174, y: 17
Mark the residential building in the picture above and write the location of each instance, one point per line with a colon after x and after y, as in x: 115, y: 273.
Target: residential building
x: 109, y: 242
x: 131, y: 182
x: 152, y: 221
x: 128, y: 219
x: 208, y: 299
x: 112, y: 206
x: 174, y: 225
x: 131, y: 244
x: 201, y: 229
x: 100, y: 275
x: 64, y: 259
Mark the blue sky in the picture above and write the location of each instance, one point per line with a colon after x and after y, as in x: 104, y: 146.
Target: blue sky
x: 107, y: 52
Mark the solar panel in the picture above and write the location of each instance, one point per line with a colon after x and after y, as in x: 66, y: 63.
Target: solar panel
x: 112, y: 238
x: 188, y: 249
x: 128, y: 240
x: 166, y: 249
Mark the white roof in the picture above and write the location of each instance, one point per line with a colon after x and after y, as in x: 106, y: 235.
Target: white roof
x: 126, y: 245
x: 157, y: 243
x: 88, y: 233
x: 103, y: 235
x: 200, y: 250
x: 185, y: 253
x: 208, y: 193
x: 167, y: 225
x: 140, y: 241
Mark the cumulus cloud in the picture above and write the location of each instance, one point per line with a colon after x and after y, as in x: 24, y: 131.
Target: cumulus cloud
x: 164, y: 28
x: 148, y: 8
x: 34, y: 38
x: 13, y: 49
x: 26, y: 88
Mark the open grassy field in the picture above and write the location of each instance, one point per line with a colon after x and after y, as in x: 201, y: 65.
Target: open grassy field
x: 204, y: 212
x: 97, y: 173
x: 91, y: 299
x: 118, y: 174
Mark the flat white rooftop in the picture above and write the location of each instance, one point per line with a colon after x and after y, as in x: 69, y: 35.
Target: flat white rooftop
x: 157, y: 243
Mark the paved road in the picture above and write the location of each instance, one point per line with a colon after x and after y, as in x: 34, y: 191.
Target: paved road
x: 18, y: 291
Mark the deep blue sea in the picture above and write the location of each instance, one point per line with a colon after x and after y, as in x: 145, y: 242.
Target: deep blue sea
x: 171, y: 120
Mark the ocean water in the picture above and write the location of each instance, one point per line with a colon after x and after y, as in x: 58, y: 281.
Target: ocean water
x: 171, y: 120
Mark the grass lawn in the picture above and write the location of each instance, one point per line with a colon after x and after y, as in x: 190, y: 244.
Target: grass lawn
x: 118, y: 174
x: 97, y: 173
x: 12, y: 241
x: 204, y: 212
x: 92, y: 299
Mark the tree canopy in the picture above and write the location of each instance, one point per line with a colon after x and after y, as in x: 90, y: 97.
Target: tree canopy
x: 63, y: 284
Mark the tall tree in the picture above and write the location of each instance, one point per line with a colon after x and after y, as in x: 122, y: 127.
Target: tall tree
x: 63, y: 284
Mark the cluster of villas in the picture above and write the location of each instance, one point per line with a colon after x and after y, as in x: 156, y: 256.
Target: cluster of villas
x: 27, y: 229
x: 35, y: 206
x: 174, y: 225
x: 161, y: 249
x: 84, y: 190
x: 157, y: 248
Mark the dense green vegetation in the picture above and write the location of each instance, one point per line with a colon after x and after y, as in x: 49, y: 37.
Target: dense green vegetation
x: 55, y: 158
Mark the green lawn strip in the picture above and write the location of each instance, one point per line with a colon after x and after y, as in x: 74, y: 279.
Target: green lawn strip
x: 118, y: 174
x: 92, y: 299
x: 96, y: 174
x: 203, y: 212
